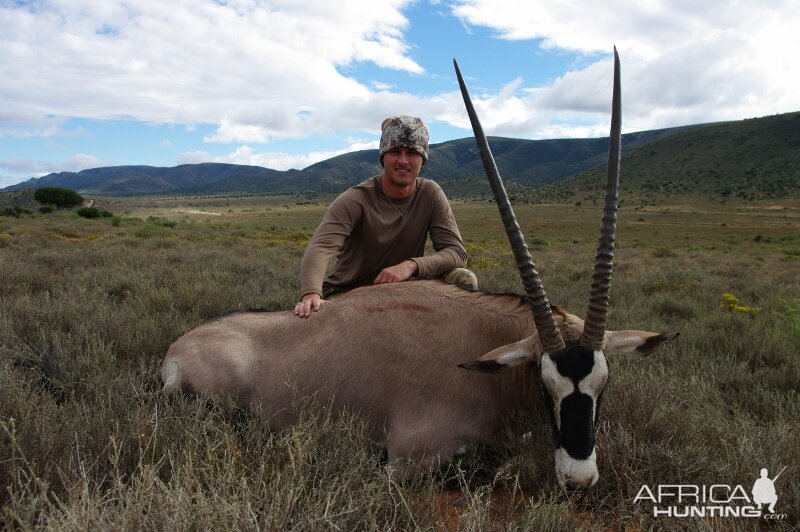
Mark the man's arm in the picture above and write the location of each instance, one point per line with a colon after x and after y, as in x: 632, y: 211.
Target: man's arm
x: 445, y: 237
x: 337, y: 224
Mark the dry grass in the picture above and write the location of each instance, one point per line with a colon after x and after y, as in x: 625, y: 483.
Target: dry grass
x: 89, y: 308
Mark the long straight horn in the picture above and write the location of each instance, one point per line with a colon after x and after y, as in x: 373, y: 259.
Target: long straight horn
x: 537, y: 298
x: 595, y: 326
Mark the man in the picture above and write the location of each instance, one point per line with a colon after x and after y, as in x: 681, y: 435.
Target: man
x: 378, y: 229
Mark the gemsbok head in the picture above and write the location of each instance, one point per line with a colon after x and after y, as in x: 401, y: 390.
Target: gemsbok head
x: 573, y: 375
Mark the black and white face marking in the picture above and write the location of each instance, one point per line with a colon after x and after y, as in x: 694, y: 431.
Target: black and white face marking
x: 572, y: 384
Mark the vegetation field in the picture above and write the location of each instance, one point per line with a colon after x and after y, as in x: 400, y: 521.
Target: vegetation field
x: 88, y: 307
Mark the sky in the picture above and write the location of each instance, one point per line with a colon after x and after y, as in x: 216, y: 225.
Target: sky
x: 287, y: 83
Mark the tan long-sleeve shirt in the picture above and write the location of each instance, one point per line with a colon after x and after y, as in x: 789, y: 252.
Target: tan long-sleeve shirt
x: 366, y: 232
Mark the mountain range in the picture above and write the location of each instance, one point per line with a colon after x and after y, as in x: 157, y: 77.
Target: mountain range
x: 751, y: 158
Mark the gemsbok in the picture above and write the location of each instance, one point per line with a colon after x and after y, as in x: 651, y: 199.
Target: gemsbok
x: 397, y: 353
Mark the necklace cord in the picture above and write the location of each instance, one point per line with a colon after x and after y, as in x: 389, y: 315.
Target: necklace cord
x: 410, y: 202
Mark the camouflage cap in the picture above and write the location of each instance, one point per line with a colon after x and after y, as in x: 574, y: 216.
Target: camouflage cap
x: 404, y: 132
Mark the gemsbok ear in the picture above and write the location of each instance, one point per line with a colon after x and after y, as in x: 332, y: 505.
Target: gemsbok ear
x: 505, y: 357
x: 635, y: 342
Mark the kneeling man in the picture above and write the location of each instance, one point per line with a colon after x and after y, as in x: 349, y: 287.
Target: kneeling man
x: 377, y: 230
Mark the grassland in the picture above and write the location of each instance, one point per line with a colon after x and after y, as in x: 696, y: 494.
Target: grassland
x: 89, y: 308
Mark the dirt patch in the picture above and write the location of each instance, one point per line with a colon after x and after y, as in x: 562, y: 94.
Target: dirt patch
x: 777, y: 207
x: 451, y: 510
x: 195, y: 211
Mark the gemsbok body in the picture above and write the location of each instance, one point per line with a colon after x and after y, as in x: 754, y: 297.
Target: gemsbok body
x: 400, y: 354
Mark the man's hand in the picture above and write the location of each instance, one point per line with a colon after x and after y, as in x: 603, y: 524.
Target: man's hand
x: 398, y: 272
x: 308, y: 303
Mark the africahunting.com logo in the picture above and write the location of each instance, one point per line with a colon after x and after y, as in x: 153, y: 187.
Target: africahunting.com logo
x: 717, y: 500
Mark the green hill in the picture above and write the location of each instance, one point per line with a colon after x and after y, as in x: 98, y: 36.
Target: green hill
x: 755, y: 159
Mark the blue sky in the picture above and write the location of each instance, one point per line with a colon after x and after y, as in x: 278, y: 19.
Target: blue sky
x: 286, y: 83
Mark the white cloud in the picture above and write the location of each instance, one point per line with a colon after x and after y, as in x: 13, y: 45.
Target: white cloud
x: 258, y: 70
x: 276, y: 160
x: 81, y: 161
x: 194, y: 157
x: 682, y: 62
x: 235, y: 132
x: 24, y: 166
x: 22, y: 124
x: 76, y: 163
x: 23, y: 169
x: 380, y: 86
x: 646, y: 27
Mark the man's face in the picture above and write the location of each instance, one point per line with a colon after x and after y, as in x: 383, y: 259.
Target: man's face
x: 401, y: 166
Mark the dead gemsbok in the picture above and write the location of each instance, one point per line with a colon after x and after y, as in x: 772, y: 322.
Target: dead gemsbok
x: 394, y: 353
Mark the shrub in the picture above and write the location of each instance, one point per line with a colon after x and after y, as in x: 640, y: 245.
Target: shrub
x: 62, y: 198
x: 93, y: 212
x: 16, y: 211
x: 162, y: 222
x: 46, y: 209
x: 731, y: 303
x: 791, y: 312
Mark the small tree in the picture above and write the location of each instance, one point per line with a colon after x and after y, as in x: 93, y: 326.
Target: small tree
x: 62, y: 198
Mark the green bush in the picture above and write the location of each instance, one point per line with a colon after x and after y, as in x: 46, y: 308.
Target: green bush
x: 62, y: 198
x: 93, y: 212
x: 16, y: 211
x: 162, y: 222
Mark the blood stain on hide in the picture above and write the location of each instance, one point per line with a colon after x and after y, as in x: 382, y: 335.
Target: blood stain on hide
x: 413, y: 307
